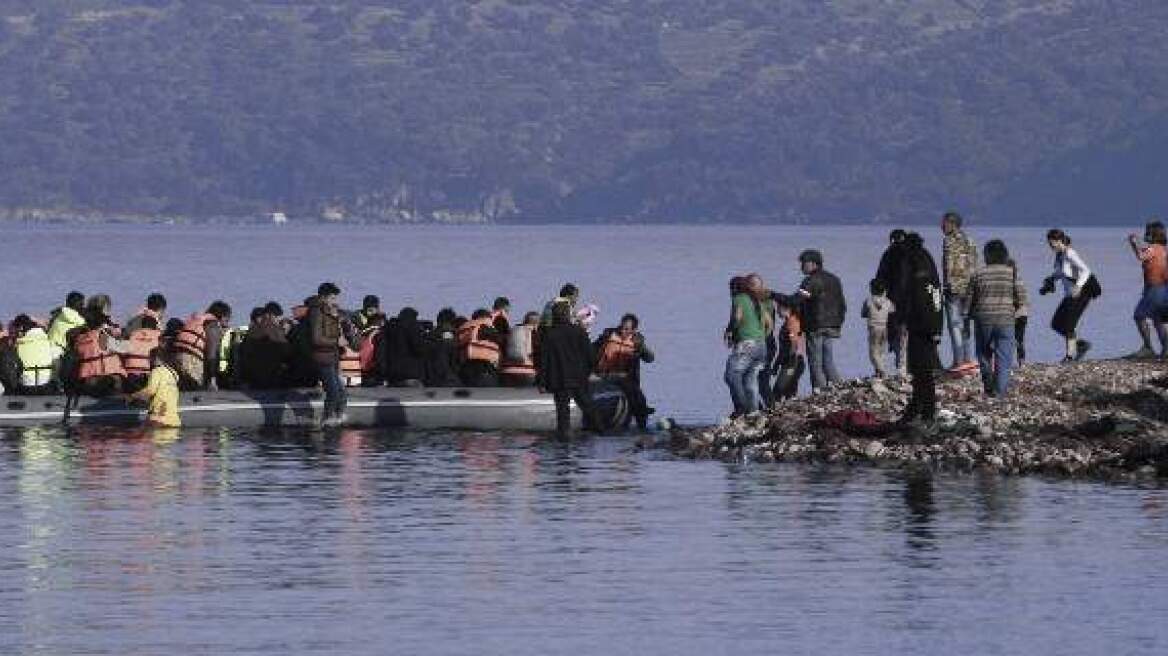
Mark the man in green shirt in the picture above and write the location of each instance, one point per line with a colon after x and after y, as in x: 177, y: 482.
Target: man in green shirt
x: 746, y: 337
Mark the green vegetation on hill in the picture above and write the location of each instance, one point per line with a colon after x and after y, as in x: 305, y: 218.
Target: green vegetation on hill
x: 705, y: 110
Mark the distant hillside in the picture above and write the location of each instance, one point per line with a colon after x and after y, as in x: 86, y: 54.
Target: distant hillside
x: 525, y: 110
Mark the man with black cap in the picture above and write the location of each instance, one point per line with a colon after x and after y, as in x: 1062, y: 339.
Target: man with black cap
x: 824, y: 309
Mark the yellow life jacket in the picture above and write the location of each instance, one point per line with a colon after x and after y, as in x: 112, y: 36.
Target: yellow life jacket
x: 67, y: 319
x: 38, y: 356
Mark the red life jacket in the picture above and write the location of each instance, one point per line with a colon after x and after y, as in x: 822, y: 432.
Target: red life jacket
x: 617, y: 354
x: 136, y: 359
x: 520, y: 360
x: 367, y: 354
x: 350, y: 365
x: 472, y: 347
x: 192, y: 338
x: 93, y: 361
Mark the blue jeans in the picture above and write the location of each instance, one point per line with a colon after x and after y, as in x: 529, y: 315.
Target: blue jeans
x: 742, y: 369
x: 995, y: 354
x: 957, y: 317
x: 820, y: 360
x: 335, y: 397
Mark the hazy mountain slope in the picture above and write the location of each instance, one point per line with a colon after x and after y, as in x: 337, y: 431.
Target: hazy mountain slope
x: 557, y: 109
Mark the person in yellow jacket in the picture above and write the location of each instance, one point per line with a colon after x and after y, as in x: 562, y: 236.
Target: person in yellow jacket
x: 160, y: 394
x: 66, y: 318
x: 38, y: 357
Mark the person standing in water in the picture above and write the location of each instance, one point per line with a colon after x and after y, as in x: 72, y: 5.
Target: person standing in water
x: 1079, y: 288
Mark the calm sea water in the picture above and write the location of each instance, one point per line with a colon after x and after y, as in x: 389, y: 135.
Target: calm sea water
x: 212, y: 542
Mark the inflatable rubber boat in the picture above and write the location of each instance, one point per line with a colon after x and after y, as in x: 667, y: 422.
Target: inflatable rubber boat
x: 486, y: 409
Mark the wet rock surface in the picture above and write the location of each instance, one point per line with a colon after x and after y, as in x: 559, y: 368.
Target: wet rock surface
x: 1104, y: 419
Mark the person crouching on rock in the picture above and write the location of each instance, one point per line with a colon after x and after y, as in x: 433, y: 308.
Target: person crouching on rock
x: 922, y: 316
x: 1079, y: 288
x: 995, y: 298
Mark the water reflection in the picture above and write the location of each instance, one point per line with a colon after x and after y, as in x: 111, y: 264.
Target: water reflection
x: 370, y: 537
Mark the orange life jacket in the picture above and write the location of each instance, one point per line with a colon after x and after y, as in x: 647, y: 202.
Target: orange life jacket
x: 367, y: 354
x: 473, y: 347
x: 192, y: 339
x: 136, y: 359
x: 520, y: 360
x: 617, y: 354
x: 93, y: 361
x: 350, y: 367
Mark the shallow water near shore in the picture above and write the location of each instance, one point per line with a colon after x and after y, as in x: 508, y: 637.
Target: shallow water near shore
x: 371, y: 541
x: 221, y: 542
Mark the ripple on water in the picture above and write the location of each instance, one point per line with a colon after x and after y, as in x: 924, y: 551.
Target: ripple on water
x: 251, y: 542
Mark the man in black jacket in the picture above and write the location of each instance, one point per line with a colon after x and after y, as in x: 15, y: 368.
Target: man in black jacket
x: 921, y: 314
x: 565, y: 363
x: 824, y: 309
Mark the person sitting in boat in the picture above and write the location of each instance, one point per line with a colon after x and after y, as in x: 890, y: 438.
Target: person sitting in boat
x: 155, y: 309
x: 501, y: 315
x: 136, y: 359
x: 569, y: 294
x: 66, y: 318
x: 265, y: 352
x: 93, y: 364
x: 403, y: 350
x: 480, y: 349
x: 442, y: 351
x: 196, y: 346
x: 620, y: 352
x: 38, y: 358
x: 370, y: 308
x: 160, y: 392
x: 518, y: 369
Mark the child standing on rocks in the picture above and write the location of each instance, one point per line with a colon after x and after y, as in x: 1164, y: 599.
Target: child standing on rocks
x: 1021, y: 318
x: 790, y: 364
x: 876, y: 310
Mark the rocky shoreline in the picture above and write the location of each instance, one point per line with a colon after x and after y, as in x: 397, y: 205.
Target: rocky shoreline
x: 1100, y: 419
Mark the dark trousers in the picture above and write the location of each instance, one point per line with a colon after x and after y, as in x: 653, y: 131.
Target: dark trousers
x: 1066, y: 317
x: 335, y: 397
x: 787, y: 383
x: 583, y: 400
x: 1020, y: 337
x: 923, y: 363
x: 638, y: 405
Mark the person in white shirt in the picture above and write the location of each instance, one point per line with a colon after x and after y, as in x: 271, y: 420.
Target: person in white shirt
x: 1079, y: 289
